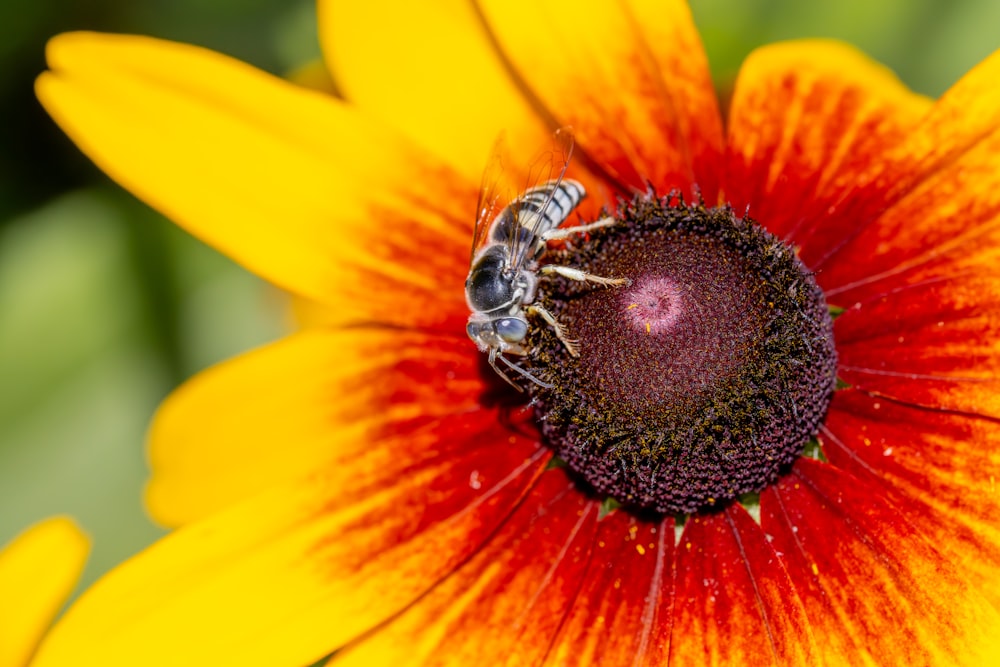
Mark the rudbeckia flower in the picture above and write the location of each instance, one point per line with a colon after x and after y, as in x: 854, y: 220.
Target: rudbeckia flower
x: 38, y: 571
x: 776, y: 442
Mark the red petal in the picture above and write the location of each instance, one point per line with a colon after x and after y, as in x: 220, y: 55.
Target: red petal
x: 873, y: 587
x: 622, y: 614
x: 938, y: 469
x: 507, y: 602
x: 935, y: 343
x: 735, y: 605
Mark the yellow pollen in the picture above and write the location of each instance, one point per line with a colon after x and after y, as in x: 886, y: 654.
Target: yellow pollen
x: 632, y: 305
x: 641, y: 549
x: 648, y: 328
x: 815, y: 569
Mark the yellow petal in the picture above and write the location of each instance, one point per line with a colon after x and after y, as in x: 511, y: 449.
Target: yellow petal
x: 966, y: 114
x: 38, y: 571
x: 318, y: 400
x: 631, y: 78
x: 428, y: 69
x: 290, y: 182
x: 294, y: 573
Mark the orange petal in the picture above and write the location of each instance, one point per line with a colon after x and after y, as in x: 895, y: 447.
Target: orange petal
x: 631, y: 78
x: 290, y: 182
x: 940, y: 197
x: 733, y: 602
x: 292, y: 574
x: 622, y: 614
x: 508, y: 601
x: 939, y: 469
x: 38, y: 571
x: 948, y: 222
x: 349, y: 402
x: 874, y: 588
x: 809, y: 124
x: 935, y: 343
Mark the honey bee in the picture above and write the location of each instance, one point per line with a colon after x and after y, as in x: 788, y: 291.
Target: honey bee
x: 504, y: 267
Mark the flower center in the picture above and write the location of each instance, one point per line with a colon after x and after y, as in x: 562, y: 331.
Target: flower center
x: 701, y: 379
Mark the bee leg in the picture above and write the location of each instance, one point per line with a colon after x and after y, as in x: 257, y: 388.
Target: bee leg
x: 494, y: 355
x: 572, y: 345
x: 577, y: 274
x: 565, y: 232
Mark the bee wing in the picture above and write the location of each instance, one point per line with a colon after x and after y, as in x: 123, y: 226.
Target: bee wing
x: 549, y: 167
x: 495, y: 192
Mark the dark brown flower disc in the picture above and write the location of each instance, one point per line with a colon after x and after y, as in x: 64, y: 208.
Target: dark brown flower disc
x: 702, y: 378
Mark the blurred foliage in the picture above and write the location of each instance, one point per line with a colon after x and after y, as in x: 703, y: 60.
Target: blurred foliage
x: 928, y: 43
x: 105, y: 306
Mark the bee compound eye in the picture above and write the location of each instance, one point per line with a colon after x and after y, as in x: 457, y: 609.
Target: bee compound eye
x: 511, y: 329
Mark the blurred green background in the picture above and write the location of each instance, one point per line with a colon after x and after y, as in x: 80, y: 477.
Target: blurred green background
x: 105, y: 306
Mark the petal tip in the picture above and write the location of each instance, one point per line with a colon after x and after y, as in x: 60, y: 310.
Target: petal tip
x: 61, y: 48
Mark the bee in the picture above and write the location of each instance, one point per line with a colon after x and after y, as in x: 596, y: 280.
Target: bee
x: 504, y: 267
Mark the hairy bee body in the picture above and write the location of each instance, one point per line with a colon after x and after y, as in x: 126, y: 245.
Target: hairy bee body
x: 507, y: 245
x: 503, y: 275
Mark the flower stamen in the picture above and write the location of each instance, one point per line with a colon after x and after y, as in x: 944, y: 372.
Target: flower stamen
x: 699, y: 381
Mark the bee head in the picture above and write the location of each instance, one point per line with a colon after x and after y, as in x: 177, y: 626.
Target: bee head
x: 503, y: 333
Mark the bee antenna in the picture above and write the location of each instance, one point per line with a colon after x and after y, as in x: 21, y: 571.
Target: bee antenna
x: 493, y: 363
x: 494, y: 355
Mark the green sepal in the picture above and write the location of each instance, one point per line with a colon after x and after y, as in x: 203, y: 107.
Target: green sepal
x: 608, y: 505
x: 555, y: 462
x: 813, y: 450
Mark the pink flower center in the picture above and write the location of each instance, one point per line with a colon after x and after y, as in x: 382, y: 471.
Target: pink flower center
x: 652, y: 306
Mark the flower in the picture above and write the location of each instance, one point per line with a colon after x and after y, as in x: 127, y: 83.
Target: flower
x: 38, y: 570
x: 359, y: 487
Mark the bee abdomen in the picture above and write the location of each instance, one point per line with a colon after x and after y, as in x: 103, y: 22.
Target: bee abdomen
x: 553, y: 201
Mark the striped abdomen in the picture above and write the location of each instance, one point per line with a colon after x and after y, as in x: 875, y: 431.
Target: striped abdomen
x: 536, y: 211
